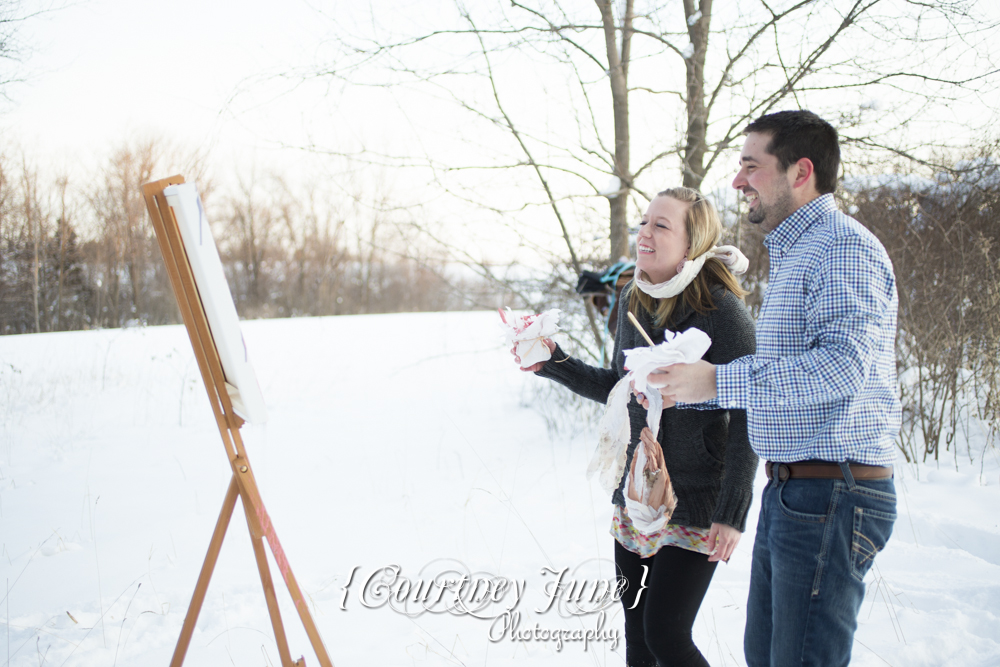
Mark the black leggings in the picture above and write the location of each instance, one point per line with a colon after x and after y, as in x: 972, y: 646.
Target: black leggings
x: 658, y: 630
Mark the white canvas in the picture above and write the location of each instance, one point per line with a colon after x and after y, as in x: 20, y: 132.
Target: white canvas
x: 248, y: 402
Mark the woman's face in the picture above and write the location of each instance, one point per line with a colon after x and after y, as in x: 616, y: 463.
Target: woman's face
x: 662, y: 242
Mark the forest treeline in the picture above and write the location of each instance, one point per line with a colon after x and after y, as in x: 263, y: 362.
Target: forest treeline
x: 84, y: 255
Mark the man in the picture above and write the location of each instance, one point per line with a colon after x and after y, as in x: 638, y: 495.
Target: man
x: 820, y: 395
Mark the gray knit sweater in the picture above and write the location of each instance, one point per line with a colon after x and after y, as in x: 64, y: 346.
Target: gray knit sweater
x: 707, y: 452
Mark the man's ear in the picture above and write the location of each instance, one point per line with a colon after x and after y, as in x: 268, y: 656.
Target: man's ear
x: 802, y: 173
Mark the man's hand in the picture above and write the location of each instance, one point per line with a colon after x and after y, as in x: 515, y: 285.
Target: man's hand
x: 722, y: 539
x: 534, y: 368
x: 686, y: 383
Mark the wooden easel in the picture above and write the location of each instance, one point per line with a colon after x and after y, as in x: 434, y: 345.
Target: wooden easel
x: 243, y: 484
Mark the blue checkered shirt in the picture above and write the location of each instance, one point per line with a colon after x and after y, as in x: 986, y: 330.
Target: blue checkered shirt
x: 822, y: 384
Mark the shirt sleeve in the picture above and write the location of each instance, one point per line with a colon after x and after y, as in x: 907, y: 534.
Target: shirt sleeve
x: 588, y: 381
x: 846, y: 301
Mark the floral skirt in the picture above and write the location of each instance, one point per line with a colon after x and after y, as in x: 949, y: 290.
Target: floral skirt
x: 671, y: 535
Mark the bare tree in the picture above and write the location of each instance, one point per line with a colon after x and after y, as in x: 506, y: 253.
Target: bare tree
x: 577, y: 110
x: 18, y: 280
x: 943, y: 236
x: 132, y: 279
x: 33, y: 220
x: 699, y: 71
x: 13, y: 49
x: 314, y: 233
x: 63, y: 236
x: 41, y: 266
x: 252, y: 223
x: 288, y: 250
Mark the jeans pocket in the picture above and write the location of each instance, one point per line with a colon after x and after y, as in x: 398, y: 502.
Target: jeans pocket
x: 805, y: 500
x: 872, y: 529
x: 878, y: 492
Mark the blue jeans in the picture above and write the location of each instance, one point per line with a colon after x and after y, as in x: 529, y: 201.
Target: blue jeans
x: 816, y: 539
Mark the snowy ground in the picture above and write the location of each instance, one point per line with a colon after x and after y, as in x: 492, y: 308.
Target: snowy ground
x: 388, y: 444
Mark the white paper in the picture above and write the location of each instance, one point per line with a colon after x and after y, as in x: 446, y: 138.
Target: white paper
x: 525, y: 334
x: 686, y: 347
x: 682, y: 348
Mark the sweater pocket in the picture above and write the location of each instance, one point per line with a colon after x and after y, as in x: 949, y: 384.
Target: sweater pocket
x: 706, y: 451
x: 696, y: 504
x: 689, y: 459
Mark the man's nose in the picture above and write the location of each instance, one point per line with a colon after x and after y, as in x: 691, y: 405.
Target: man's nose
x: 740, y: 180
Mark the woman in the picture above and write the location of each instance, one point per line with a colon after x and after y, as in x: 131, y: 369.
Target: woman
x: 707, y: 452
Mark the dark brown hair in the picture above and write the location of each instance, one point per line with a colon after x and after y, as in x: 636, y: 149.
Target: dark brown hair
x: 802, y: 134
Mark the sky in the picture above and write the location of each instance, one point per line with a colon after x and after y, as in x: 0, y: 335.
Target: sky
x: 206, y: 78
x: 102, y: 71
x: 204, y: 74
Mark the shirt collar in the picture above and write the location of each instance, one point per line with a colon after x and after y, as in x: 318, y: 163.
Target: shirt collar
x: 785, y: 234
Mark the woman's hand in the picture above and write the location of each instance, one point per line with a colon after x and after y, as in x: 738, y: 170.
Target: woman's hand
x: 534, y: 368
x: 644, y: 402
x: 723, y: 540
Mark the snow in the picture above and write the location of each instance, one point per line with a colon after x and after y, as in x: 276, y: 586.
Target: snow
x: 613, y: 188
x: 393, y: 440
x: 694, y: 18
x: 687, y: 51
x: 966, y: 176
x: 889, y: 181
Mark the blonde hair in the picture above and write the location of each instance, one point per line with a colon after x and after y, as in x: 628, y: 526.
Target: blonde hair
x: 704, y: 229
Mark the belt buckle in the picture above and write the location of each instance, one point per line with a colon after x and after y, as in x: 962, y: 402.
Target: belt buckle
x: 783, y: 472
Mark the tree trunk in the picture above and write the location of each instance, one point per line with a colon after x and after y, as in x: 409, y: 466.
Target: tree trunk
x: 56, y: 323
x: 697, y: 126
x: 618, y: 75
x: 32, y: 220
x: 36, y: 233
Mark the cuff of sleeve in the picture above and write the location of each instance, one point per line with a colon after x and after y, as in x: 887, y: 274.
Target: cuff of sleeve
x: 554, y: 367
x: 732, y: 509
x: 712, y: 404
x: 732, y: 386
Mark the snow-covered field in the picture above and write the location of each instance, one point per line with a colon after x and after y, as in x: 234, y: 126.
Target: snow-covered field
x: 402, y: 440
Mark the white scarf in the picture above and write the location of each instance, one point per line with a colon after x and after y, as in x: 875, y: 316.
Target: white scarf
x: 728, y: 254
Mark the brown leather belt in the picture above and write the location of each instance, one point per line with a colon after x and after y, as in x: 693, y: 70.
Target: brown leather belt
x: 823, y: 470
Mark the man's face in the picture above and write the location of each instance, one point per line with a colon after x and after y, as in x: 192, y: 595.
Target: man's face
x: 767, y: 187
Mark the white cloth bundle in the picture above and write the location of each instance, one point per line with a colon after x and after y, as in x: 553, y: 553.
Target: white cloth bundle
x: 525, y: 334
x: 614, y: 431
